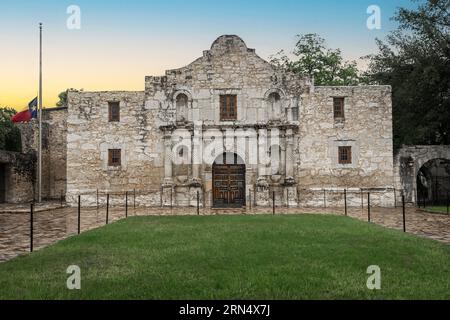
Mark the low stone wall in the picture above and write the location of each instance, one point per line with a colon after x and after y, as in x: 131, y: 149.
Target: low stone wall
x: 184, y: 196
x: 19, y: 174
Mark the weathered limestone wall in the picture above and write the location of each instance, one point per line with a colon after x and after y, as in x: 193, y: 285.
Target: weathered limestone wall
x: 54, y: 144
x: 367, y: 128
x: 19, y: 176
x: 90, y: 135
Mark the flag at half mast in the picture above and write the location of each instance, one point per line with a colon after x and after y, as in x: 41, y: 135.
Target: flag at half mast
x: 28, y: 114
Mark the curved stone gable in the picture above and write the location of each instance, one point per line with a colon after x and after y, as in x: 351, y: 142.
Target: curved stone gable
x: 229, y: 64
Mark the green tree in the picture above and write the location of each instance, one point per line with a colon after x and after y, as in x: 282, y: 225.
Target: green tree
x: 313, y: 58
x: 62, y: 99
x: 415, y: 61
x: 10, y: 138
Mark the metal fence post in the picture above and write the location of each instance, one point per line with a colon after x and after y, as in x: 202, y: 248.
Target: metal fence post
x: 171, y: 199
x: 447, y: 204
x: 362, y: 200
x: 204, y: 194
x: 324, y: 199
x: 107, y: 208
x: 198, y: 202
x: 31, y: 226
x: 404, y: 218
x: 368, y: 206
x: 395, y: 199
x: 250, y: 199
x: 424, y: 201
x: 287, y: 198
x: 345, y: 201
x: 417, y: 199
x: 126, y: 204
x: 273, y: 202
x: 134, y: 198
x: 79, y: 214
x: 97, y: 199
x: 61, y: 198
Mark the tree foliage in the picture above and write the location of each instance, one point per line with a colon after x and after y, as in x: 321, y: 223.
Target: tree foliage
x: 415, y: 61
x: 62, y: 99
x: 313, y: 58
x: 10, y: 138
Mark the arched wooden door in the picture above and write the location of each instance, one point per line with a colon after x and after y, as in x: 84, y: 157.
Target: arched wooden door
x: 228, y: 183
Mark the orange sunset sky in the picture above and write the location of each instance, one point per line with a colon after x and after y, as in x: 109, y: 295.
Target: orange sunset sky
x: 119, y: 43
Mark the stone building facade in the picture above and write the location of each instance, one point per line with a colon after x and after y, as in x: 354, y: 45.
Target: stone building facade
x: 232, y: 127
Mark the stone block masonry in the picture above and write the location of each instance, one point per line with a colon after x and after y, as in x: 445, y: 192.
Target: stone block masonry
x: 227, y: 92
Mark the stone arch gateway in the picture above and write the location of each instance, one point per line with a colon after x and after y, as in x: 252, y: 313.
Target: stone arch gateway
x: 409, y: 163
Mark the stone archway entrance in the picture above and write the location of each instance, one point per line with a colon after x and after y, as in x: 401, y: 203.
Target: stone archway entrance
x: 433, y: 182
x: 228, y: 173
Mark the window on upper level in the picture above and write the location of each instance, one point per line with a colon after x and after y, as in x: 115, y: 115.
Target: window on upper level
x: 338, y: 108
x: 228, y: 107
x: 275, y: 105
x: 182, y: 104
x: 345, y: 155
x: 114, y: 111
x: 114, y: 157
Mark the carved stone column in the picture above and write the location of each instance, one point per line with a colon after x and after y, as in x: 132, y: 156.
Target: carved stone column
x: 290, y: 185
x: 196, y: 153
x: 289, y: 157
x: 195, y: 186
x: 282, y: 156
x: 167, y: 188
x: 262, y: 186
x: 168, y: 180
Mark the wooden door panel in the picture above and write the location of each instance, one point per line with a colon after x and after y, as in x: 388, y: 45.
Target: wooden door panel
x: 229, y: 185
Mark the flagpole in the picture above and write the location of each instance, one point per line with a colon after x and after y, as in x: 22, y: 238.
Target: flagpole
x: 40, y: 117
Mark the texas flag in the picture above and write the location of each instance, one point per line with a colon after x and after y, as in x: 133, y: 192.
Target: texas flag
x: 27, y: 114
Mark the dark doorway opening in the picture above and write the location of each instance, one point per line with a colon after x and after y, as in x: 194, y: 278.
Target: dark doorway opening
x: 228, y: 181
x: 433, y: 182
x: 2, y: 183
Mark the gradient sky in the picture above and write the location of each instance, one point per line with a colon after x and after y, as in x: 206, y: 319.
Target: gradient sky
x: 120, y: 42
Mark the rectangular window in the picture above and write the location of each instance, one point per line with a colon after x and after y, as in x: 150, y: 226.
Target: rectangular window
x: 228, y: 107
x: 338, y: 108
x: 345, y: 155
x: 114, y: 157
x: 114, y: 111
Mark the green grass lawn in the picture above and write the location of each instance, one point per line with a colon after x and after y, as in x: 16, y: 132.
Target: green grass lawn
x: 437, y: 209
x: 233, y: 257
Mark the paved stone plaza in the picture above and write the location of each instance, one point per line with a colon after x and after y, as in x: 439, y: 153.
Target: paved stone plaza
x: 52, y: 223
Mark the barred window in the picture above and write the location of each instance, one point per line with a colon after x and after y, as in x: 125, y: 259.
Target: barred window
x: 228, y: 107
x: 114, y: 111
x: 345, y: 155
x: 338, y: 108
x: 114, y: 157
